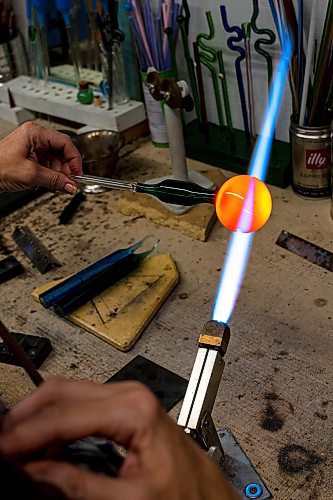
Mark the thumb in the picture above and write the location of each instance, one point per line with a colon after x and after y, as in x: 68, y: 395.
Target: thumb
x: 55, y: 181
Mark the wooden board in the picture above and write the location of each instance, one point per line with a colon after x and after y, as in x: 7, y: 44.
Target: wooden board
x: 197, y: 223
x: 120, y: 313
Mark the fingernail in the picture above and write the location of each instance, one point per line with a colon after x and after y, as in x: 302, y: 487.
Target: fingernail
x: 70, y: 189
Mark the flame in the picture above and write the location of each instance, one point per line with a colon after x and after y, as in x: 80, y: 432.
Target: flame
x: 240, y: 243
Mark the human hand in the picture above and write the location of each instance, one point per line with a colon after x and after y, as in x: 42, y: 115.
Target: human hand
x: 162, y: 462
x: 35, y: 156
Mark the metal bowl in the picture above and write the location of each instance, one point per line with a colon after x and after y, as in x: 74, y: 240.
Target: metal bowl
x: 100, y: 154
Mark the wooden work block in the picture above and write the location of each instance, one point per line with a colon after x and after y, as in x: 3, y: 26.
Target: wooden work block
x: 197, y: 223
x: 120, y: 313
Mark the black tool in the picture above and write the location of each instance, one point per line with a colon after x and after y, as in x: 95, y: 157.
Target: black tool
x: 36, y: 348
x: 306, y: 249
x: 10, y: 267
x: 71, y: 208
x: 34, y: 249
x: 168, y: 387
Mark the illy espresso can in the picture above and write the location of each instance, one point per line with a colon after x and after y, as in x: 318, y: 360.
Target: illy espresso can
x: 311, y: 153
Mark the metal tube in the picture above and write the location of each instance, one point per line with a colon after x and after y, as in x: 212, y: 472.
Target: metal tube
x: 246, y: 30
x: 105, y: 182
x: 176, y: 142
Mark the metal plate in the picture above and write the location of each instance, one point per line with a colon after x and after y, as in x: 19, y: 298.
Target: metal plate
x: 168, y: 387
x: 306, y: 249
x: 10, y: 268
x: 33, y: 248
x: 239, y: 469
x: 36, y: 348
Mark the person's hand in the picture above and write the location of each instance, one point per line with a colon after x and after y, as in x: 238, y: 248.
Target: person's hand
x: 162, y: 462
x: 35, y: 156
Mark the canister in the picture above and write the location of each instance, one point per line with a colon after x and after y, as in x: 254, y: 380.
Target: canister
x: 311, y: 153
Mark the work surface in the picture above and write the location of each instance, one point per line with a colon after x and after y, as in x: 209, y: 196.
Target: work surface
x: 276, y: 390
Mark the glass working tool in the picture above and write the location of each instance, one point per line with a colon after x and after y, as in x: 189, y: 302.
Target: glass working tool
x: 229, y: 200
x: 64, y: 6
x: 183, y: 23
x: 248, y: 60
x: 78, y: 289
x: 39, y: 8
x: 231, y: 44
x: 270, y: 40
x: 208, y: 58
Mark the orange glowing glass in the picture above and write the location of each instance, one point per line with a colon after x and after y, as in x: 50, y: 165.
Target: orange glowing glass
x: 230, y: 203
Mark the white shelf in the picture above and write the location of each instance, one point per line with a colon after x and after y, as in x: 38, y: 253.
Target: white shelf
x: 60, y: 101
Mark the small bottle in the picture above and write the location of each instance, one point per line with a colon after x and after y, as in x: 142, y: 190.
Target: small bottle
x: 97, y: 99
x: 85, y: 95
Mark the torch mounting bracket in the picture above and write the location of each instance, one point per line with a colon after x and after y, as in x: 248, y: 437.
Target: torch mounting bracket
x: 196, y: 414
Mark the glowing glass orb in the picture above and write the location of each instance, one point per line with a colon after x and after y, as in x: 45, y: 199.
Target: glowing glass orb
x: 243, y: 203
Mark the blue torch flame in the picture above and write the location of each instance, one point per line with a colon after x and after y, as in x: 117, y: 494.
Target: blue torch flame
x: 240, y: 243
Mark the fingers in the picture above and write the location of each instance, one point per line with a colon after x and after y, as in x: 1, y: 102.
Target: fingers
x: 53, y: 180
x: 80, y: 484
x: 62, y: 390
x: 121, y: 416
x: 50, y: 140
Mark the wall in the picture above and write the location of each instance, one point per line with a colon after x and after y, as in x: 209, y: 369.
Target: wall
x: 238, y: 11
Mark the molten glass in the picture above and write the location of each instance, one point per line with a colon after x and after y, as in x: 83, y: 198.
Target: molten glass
x: 243, y: 203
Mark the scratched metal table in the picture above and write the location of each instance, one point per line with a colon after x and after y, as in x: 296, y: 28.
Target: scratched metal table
x: 276, y: 393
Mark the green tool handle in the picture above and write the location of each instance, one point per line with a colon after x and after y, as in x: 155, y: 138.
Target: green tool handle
x: 178, y: 192
x: 169, y: 190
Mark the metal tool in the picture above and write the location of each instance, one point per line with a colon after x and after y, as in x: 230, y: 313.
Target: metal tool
x: 183, y: 26
x: 223, y: 80
x: 34, y: 249
x: 203, y: 109
x: 71, y: 208
x: 306, y: 249
x: 10, y: 267
x: 170, y: 191
x: 247, y: 34
x: 270, y: 40
x: 208, y: 58
x: 300, y: 53
x: 20, y: 355
x: 172, y: 49
x: 231, y: 44
x: 323, y: 60
x: 196, y: 413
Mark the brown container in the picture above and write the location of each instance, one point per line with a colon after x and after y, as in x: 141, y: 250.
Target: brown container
x: 311, y: 150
